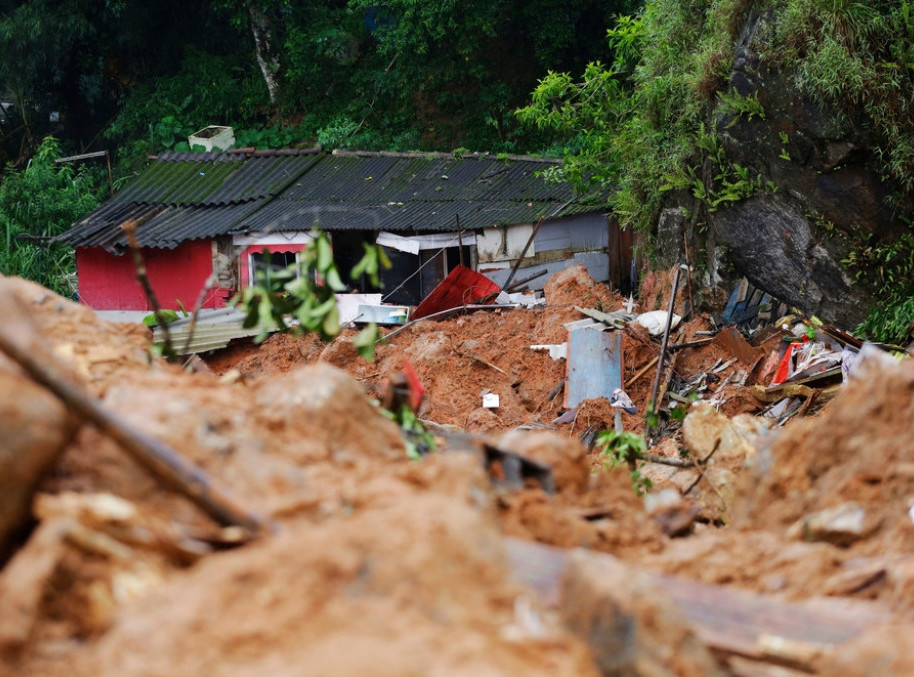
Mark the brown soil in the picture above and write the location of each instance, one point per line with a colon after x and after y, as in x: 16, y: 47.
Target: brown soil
x: 382, y: 565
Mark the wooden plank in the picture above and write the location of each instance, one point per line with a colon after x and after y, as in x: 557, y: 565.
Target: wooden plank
x: 729, y: 309
x: 594, y: 365
x: 730, y: 621
x: 616, y: 266
x: 748, y: 624
x: 732, y: 341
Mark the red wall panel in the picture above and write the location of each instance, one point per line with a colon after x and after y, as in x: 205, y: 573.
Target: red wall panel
x: 108, y: 282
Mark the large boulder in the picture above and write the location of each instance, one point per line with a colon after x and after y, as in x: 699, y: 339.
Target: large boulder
x: 822, y: 189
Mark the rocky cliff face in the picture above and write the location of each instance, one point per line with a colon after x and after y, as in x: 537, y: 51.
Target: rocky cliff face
x: 829, y: 192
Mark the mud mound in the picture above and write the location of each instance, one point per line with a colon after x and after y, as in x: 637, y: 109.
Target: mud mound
x: 94, y: 349
x: 574, y: 286
x: 278, y: 354
x: 418, y: 587
x: 857, y: 451
x: 388, y: 566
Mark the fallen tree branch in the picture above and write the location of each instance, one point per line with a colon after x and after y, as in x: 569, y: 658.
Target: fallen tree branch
x: 665, y: 460
x: 482, y: 361
x: 129, y: 228
x: 169, y: 467
x: 702, y: 476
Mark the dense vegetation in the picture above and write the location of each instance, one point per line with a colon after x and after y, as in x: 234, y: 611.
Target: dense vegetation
x: 398, y: 74
x: 642, y: 124
x: 136, y: 78
x: 632, y: 114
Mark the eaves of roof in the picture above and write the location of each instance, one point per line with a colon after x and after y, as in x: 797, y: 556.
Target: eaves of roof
x: 187, y: 196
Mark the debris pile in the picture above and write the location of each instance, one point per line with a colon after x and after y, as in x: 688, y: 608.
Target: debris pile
x: 767, y: 544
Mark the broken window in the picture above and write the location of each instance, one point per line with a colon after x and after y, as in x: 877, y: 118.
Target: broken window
x: 275, y: 261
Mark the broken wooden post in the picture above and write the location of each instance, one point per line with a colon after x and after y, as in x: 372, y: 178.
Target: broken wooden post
x: 653, y: 405
x: 523, y: 253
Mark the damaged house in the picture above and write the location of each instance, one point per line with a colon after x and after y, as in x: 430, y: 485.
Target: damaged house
x: 223, y: 215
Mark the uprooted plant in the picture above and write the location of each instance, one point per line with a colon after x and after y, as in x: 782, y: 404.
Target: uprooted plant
x: 624, y: 448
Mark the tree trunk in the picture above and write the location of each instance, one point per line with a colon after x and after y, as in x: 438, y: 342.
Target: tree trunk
x: 267, y: 58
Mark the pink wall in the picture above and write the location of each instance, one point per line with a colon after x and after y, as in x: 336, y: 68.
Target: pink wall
x: 108, y: 282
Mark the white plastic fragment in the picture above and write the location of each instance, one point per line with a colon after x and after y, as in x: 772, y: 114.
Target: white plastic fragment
x: 490, y: 400
x: 557, y: 351
x: 655, y: 321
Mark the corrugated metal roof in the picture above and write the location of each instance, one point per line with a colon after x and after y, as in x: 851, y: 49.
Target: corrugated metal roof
x: 185, y: 181
x: 186, y: 196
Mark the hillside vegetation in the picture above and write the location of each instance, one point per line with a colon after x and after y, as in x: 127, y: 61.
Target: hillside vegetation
x: 694, y: 89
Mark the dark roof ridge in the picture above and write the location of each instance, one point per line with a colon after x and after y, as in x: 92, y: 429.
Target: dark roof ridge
x: 251, y: 151
x: 232, y: 154
x: 444, y: 156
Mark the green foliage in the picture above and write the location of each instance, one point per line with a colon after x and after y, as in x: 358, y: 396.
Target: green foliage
x: 37, y: 203
x: 300, y: 298
x: 624, y: 448
x: 890, y: 263
x: 373, y: 260
x: 889, y: 321
x: 891, y: 266
x: 628, y: 123
x: 160, y: 115
x: 733, y: 103
x: 417, y: 439
x: 398, y: 75
x: 337, y: 133
x: 856, y: 58
x: 168, y: 315
x: 269, y: 137
x: 730, y: 183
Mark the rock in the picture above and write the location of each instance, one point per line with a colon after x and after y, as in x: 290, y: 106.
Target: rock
x: 658, y: 473
x: 702, y: 430
x: 23, y: 583
x: 705, y: 429
x: 632, y: 625
x: 771, y: 243
x: 343, y: 418
x: 670, y: 230
x: 820, y: 160
x: 841, y: 525
x: 884, y: 650
x: 854, y: 579
x: 715, y: 500
x: 567, y: 457
x: 673, y: 513
x: 36, y: 428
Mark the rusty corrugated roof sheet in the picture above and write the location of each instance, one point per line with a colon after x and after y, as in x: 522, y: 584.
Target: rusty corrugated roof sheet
x: 187, y: 196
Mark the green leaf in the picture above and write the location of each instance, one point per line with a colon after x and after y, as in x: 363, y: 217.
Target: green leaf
x: 167, y: 314
x: 333, y: 280
x: 331, y: 324
x: 366, y: 340
x: 324, y: 253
